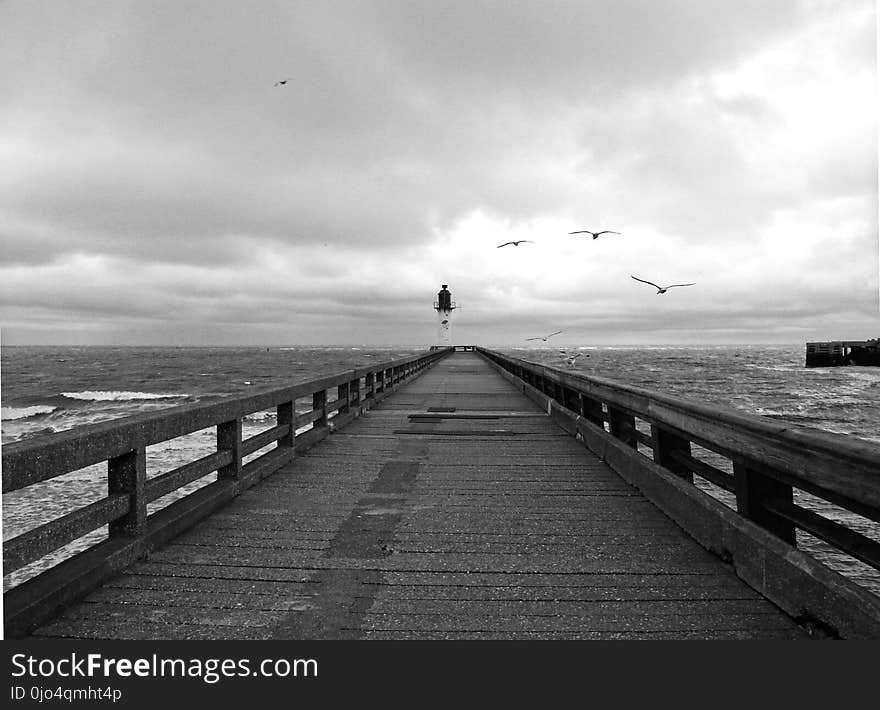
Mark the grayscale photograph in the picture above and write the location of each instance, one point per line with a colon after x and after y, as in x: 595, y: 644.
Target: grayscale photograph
x: 439, y: 321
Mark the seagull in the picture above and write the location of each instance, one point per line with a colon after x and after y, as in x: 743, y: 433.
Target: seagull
x: 544, y: 337
x: 516, y: 243
x: 595, y: 234
x: 282, y: 82
x: 571, y: 358
x: 660, y: 289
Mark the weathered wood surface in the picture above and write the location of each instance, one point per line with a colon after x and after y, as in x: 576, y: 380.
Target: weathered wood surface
x: 414, y: 521
x: 847, y: 466
x: 133, y: 531
x: 758, y: 537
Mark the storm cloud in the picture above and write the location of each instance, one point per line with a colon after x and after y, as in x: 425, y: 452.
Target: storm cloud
x: 157, y: 187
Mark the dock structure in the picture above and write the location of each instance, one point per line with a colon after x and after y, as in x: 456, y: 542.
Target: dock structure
x: 460, y: 494
x: 843, y: 352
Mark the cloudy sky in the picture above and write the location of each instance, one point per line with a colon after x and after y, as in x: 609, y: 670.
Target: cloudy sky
x: 156, y: 187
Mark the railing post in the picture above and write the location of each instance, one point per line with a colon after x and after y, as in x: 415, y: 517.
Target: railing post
x: 591, y: 410
x: 570, y: 399
x: 319, y: 402
x: 752, y: 490
x: 665, y: 443
x: 342, y: 395
x: 229, y: 439
x: 622, y: 426
x: 354, y: 391
x: 284, y: 415
x: 127, y: 474
x: 369, y: 386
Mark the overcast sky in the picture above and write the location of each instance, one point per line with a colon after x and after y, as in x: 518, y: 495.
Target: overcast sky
x: 156, y: 187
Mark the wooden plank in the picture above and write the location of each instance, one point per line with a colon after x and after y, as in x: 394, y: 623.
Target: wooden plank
x: 264, y: 438
x: 170, y: 481
x: 314, y: 415
x: 704, y: 470
x: 859, y: 546
x: 34, y: 544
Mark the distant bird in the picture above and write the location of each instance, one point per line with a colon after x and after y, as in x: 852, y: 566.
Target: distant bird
x: 516, y: 243
x: 544, y: 337
x: 282, y: 82
x: 595, y: 234
x: 571, y: 358
x: 660, y: 289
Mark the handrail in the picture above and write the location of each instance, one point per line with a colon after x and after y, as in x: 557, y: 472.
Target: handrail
x: 122, y: 443
x: 769, y: 459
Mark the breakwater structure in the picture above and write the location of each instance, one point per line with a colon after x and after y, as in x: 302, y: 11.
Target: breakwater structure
x: 461, y: 493
x: 843, y: 352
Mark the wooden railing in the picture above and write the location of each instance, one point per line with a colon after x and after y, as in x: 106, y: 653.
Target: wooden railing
x: 122, y: 443
x: 766, y: 462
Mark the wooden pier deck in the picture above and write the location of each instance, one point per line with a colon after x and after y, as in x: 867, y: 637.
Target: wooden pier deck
x: 453, y: 509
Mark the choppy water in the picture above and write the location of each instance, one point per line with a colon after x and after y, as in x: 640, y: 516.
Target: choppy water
x: 50, y: 389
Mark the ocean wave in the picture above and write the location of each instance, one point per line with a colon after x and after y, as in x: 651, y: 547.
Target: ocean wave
x: 787, y: 368
x: 259, y: 416
x: 10, y: 413
x: 117, y: 396
x: 869, y: 378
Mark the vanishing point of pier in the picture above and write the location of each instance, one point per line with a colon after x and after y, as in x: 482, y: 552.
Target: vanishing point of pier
x: 459, y: 494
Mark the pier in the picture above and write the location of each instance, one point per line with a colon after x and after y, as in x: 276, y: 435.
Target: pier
x: 843, y: 352
x: 459, y: 494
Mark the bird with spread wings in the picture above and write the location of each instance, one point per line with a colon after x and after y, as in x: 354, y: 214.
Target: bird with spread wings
x: 515, y: 243
x: 660, y: 289
x: 595, y: 234
x: 544, y: 337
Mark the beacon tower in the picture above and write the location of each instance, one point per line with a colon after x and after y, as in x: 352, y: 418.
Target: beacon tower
x: 444, y: 305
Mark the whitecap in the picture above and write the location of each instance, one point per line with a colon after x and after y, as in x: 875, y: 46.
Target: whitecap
x: 118, y: 396
x: 10, y: 413
x: 260, y: 416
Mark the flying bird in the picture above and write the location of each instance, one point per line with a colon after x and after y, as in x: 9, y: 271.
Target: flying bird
x: 544, y: 337
x: 282, y: 82
x: 516, y: 243
x: 660, y: 289
x: 571, y: 358
x: 595, y: 234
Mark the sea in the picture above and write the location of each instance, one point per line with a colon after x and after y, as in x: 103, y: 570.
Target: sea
x: 44, y: 390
